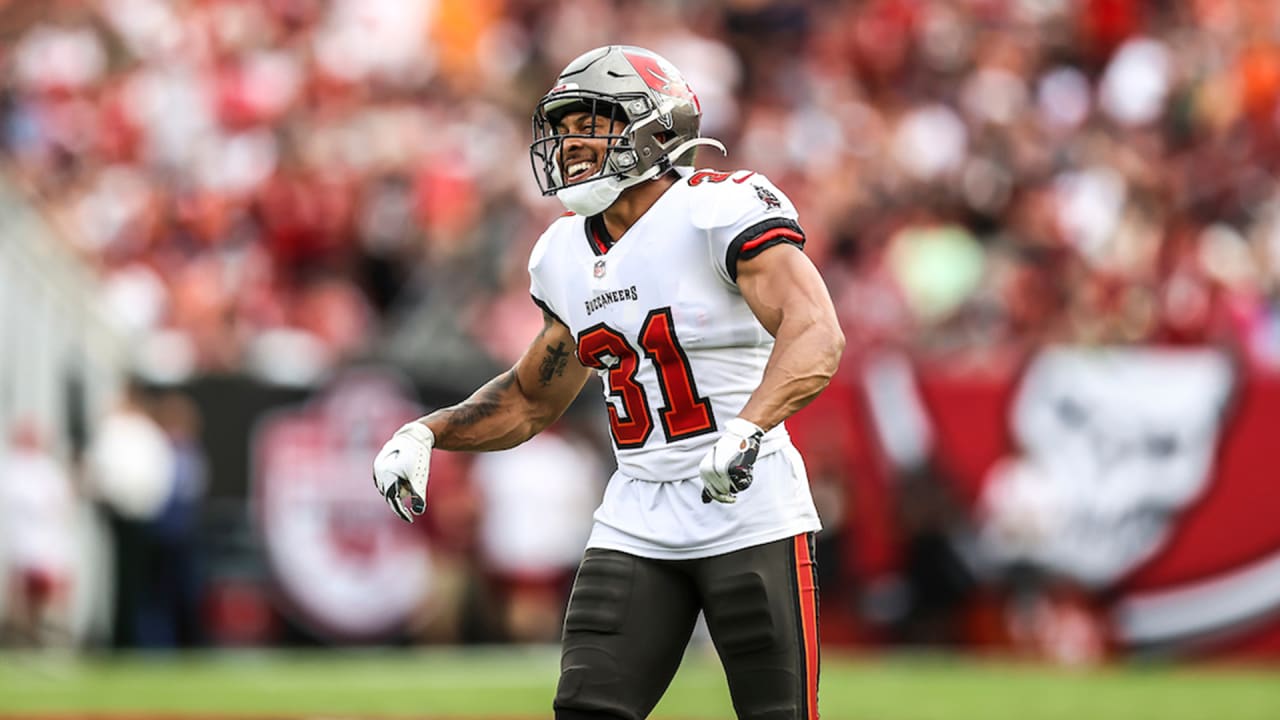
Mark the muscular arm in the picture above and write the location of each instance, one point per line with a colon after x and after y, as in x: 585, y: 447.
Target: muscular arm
x: 519, y: 403
x: 787, y: 295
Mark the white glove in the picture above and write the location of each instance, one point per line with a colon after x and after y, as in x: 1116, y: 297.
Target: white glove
x: 400, y: 469
x: 726, y: 469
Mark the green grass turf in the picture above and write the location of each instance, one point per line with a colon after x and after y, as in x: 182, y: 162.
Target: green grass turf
x: 517, y: 683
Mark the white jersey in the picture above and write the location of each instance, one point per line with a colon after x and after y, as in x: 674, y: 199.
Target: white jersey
x: 659, y: 316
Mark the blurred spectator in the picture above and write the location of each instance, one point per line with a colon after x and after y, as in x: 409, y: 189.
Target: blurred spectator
x: 38, y: 513
x: 532, y: 561
x: 131, y: 467
x: 461, y: 607
x: 171, y: 615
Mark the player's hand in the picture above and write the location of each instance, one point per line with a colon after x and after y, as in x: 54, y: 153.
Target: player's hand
x: 400, y: 469
x: 726, y: 469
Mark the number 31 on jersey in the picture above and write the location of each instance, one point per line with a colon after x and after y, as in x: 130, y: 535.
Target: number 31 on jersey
x: 684, y: 413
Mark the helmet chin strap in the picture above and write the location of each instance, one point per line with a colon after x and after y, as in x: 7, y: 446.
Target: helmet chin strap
x: 593, y: 197
x: 682, y: 147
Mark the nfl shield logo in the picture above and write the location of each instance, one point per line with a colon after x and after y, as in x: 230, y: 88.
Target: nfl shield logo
x: 599, y: 269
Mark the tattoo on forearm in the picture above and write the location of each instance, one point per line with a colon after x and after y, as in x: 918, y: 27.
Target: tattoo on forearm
x: 485, y: 402
x: 553, y: 364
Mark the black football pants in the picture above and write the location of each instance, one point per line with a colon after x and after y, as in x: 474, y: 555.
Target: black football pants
x: 630, y: 618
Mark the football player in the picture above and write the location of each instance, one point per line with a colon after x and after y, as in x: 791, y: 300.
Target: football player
x: 688, y: 293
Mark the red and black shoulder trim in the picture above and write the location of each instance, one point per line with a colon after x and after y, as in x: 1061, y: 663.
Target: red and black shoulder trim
x: 547, y: 309
x: 758, y: 238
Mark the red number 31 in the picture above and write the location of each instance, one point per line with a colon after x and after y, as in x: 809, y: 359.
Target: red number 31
x: 684, y: 413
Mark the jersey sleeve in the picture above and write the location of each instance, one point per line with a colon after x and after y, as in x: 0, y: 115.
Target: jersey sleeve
x: 539, y: 282
x: 748, y: 216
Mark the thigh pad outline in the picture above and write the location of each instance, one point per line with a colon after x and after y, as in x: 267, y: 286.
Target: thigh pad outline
x: 601, y: 593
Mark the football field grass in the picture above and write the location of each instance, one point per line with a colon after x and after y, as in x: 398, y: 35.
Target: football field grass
x: 516, y: 684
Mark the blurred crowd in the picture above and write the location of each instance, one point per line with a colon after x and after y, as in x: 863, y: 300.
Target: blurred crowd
x: 283, y: 187
x: 106, y: 549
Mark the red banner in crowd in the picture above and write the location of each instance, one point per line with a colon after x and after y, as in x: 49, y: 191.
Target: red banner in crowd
x: 1146, y: 477
x: 345, y: 568
x: 1210, y: 579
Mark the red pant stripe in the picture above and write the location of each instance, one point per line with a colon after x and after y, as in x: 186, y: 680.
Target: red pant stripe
x: 808, y: 622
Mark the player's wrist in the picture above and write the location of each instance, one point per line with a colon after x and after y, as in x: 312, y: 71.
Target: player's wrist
x: 418, y: 432
x: 743, y: 427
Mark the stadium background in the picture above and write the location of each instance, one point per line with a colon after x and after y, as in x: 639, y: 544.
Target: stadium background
x: 242, y: 241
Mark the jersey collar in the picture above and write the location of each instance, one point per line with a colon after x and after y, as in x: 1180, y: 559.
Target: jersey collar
x: 598, y: 236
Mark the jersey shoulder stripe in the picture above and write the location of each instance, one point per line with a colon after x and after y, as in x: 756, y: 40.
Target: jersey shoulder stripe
x: 760, y: 237
x: 743, y: 214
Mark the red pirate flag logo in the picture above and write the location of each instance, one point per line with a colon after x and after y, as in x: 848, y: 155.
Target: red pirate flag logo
x: 662, y: 77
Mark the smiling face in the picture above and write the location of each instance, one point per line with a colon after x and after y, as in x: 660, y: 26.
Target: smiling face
x: 583, y: 151
x: 658, y: 113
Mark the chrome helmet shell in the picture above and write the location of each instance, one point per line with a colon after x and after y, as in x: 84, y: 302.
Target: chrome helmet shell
x: 660, y: 114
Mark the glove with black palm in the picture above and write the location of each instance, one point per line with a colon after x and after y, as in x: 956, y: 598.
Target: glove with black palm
x: 401, y: 466
x: 727, y: 468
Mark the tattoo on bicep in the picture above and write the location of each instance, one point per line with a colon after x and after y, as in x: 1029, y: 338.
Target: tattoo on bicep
x: 484, y: 402
x: 553, y: 364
